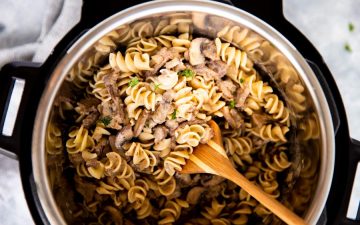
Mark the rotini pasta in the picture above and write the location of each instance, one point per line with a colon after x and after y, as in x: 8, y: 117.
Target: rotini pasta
x: 148, y: 93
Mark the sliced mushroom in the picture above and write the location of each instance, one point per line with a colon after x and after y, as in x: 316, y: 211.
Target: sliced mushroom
x: 125, y: 134
x: 194, y: 195
x: 200, y: 49
x: 195, y: 55
x: 140, y: 123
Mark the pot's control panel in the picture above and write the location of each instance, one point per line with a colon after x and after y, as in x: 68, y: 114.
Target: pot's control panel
x: 353, y: 212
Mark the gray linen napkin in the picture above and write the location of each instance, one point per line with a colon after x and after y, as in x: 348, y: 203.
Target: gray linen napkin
x: 29, y: 30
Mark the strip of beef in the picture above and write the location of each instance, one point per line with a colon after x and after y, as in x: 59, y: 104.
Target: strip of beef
x: 101, y: 148
x: 218, y: 66
x: 172, y: 124
x: 161, y: 112
x: 233, y: 117
x: 140, y: 123
x: 125, y: 134
x: 201, y: 48
x: 160, y: 58
x: 76, y: 158
x: 160, y: 133
x: 121, y: 151
x: 241, y: 95
x: 94, y: 163
x: 110, y: 82
x: 86, y: 189
x: 110, y: 110
x: 260, y: 119
x: 87, y: 107
x: 205, y: 71
x: 91, y: 119
x: 168, y: 95
x: 228, y: 89
x: 208, y: 49
x: 89, y: 102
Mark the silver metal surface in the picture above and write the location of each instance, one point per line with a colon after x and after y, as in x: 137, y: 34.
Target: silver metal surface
x: 354, y: 202
x: 167, y: 7
x: 13, y: 107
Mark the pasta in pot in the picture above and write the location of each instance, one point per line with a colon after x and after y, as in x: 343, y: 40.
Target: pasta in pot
x: 146, y: 109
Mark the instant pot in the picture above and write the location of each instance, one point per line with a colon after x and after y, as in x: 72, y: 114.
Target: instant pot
x: 28, y: 90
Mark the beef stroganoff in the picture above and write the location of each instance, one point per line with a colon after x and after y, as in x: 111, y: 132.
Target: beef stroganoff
x: 141, y: 106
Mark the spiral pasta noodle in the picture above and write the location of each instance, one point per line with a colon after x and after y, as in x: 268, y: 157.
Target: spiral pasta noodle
x: 142, y: 104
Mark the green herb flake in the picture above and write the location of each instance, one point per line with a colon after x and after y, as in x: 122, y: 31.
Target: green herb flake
x: 232, y: 104
x: 133, y: 82
x: 156, y: 86
x: 173, y: 115
x: 186, y: 73
x: 351, y: 27
x: 347, y: 47
x: 105, y: 120
x: 241, y: 80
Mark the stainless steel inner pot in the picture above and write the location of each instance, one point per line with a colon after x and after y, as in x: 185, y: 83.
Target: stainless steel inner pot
x: 208, y: 18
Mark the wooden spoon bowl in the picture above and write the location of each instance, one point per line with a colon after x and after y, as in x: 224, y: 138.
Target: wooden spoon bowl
x: 211, y: 158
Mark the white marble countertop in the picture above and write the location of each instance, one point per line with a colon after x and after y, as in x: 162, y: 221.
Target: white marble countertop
x: 324, y: 22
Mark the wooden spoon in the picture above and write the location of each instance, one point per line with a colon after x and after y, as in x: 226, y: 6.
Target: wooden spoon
x: 211, y: 158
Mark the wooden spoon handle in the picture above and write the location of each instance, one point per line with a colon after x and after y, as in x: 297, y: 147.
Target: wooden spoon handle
x: 272, y: 204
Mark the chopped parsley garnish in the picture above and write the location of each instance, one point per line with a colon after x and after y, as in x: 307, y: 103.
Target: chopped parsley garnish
x: 133, y: 82
x: 105, y: 120
x: 232, y: 104
x: 157, y: 86
x: 347, y: 47
x: 351, y: 27
x: 241, y: 80
x: 186, y: 73
x: 173, y: 115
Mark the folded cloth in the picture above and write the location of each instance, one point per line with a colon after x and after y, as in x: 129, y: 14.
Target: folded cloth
x: 33, y: 35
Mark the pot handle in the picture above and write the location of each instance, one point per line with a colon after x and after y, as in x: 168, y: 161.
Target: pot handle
x: 17, y: 80
x: 350, y: 213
